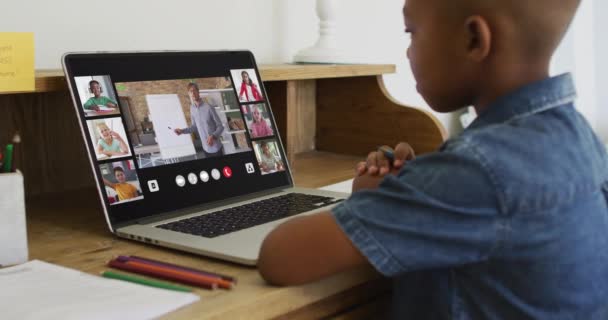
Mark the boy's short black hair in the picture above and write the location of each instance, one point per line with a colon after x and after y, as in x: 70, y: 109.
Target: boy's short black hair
x: 119, y: 169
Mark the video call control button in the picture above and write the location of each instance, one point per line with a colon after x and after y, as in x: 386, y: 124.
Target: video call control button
x: 180, y: 180
x: 192, y: 178
x: 227, y: 172
x: 204, y: 176
x: 153, y: 185
x: 249, y: 167
x: 215, y: 174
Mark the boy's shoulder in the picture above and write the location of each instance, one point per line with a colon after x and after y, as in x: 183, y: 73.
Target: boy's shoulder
x: 538, y: 161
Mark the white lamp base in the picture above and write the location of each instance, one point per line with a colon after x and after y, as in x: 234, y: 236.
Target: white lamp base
x: 328, y: 48
x: 323, y: 55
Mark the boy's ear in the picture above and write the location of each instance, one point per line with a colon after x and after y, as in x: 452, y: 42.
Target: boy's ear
x: 479, y: 36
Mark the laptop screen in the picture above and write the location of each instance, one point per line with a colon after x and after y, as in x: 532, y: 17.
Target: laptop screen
x: 170, y: 130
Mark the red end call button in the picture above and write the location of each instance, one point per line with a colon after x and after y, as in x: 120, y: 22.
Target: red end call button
x: 227, y: 172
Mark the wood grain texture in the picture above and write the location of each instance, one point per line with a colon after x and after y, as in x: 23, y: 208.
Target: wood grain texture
x: 51, y: 80
x: 51, y: 154
x: 69, y: 229
x: 294, y: 108
x: 282, y: 72
x: 316, y: 169
x: 355, y: 116
x: 277, y: 95
x: 301, y: 117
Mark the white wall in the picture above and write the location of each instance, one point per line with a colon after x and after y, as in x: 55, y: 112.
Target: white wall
x: 601, y: 55
x: 275, y: 30
x: 371, y: 33
x: 72, y: 25
x: 576, y: 54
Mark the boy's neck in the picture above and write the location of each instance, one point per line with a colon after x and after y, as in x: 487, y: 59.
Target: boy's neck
x: 505, y: 79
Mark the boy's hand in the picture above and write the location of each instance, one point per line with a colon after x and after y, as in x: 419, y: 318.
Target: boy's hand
x: 378, y: 164
x: 366, y: 181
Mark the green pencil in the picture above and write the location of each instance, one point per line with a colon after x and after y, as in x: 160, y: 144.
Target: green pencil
x: 146, y: 282
x: 8, y: 158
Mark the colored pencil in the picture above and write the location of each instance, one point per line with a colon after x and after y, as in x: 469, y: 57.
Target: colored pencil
x: 388, y: 153
x: 220, y: 282
x: 178, y: 273
x: 160, y: 263
x: 8, y: 158
x: 146, y: 282
x: 163, y: 275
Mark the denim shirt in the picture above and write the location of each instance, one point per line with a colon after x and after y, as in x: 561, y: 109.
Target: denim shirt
x: 509, y: 220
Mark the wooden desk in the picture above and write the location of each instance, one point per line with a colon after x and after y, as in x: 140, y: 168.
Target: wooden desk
x: 329, y: 117
x: 69, y: 229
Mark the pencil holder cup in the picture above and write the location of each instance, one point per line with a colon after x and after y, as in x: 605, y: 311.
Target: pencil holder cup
x: 13, y: 233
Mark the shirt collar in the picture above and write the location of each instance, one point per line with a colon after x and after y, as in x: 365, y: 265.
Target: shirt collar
x: 528, y: 100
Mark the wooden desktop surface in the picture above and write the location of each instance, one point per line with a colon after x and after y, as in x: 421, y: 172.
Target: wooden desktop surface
x: 69, y: 229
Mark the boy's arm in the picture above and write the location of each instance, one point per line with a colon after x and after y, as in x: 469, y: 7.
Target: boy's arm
x: 306, y: 249
x: 111, y: 103
x: 108, y: 183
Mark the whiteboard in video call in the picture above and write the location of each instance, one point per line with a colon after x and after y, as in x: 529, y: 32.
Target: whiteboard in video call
x: 166, y: 114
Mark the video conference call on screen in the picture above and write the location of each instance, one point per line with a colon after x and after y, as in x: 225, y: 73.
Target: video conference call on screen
x: 221, y: 126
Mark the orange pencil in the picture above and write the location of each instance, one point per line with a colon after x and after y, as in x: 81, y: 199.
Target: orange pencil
x: 179, y: 273
x: 220, y: 282
x: 123, y: 266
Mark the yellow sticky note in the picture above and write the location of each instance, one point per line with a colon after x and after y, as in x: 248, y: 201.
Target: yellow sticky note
x: 17, y: 61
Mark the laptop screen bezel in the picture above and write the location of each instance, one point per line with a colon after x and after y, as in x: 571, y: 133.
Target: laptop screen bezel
x: 68, y: 62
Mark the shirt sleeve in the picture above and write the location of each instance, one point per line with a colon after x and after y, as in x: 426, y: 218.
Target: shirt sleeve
x: 267, y: 128
x: 191, y: 128
x: 87, y: 105
x: 107, y: 99
x: 440, y: 211
x: 219, y: 126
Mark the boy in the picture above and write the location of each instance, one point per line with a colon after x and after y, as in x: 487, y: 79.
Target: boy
x: 509, y: 220
x: 124, y: 190
x: 98, y: 100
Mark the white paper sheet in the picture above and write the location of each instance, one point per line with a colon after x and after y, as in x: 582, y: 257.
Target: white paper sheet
x: 344, y: 186
x: 40, y: 290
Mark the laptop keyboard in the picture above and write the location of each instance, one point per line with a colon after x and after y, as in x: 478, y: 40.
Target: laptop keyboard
x: 249, y: 215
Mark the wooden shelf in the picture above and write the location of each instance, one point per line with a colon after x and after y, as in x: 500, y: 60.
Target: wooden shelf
x: 51, y: 80
x: 284, y: 72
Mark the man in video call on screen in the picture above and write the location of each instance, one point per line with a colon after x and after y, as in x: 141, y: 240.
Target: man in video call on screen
x: 205, y: 121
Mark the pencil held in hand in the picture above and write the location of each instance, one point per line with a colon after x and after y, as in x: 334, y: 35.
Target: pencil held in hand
x: 388, y: 152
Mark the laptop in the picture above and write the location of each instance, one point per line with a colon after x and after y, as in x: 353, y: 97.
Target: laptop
x: 216, y: 179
